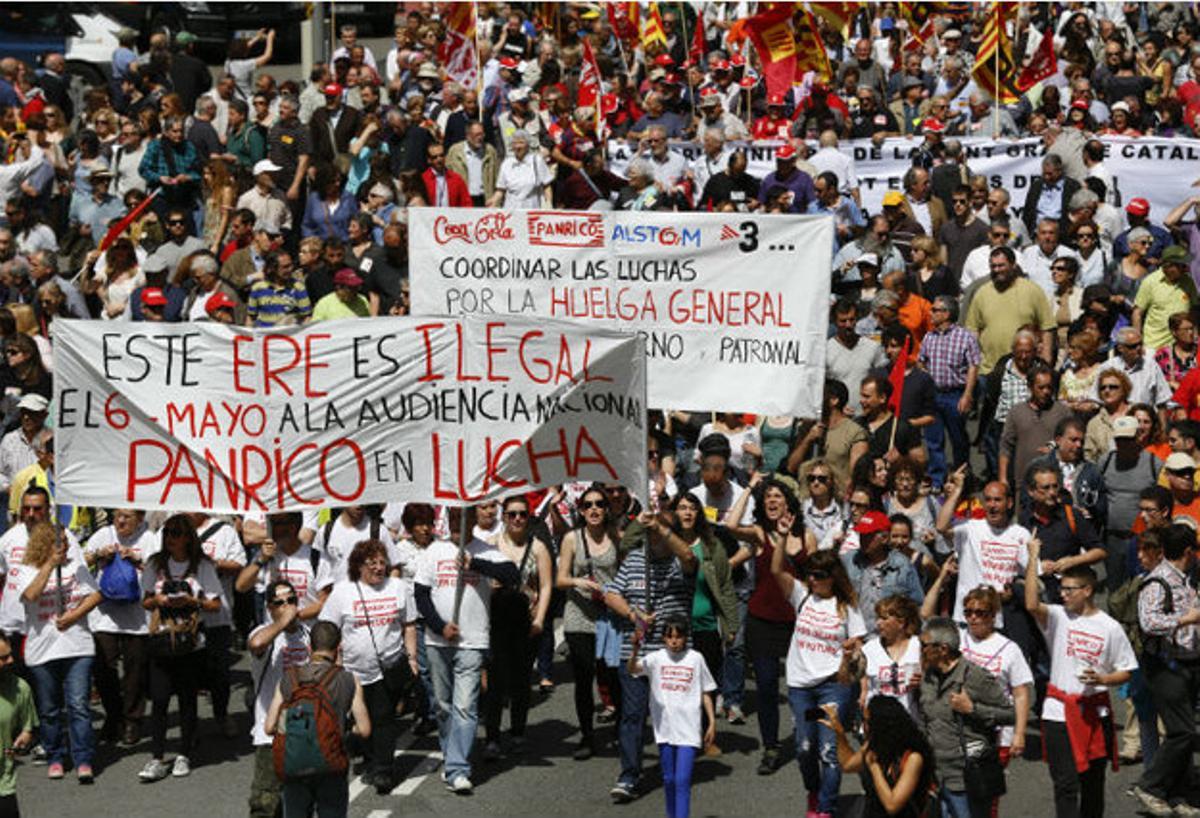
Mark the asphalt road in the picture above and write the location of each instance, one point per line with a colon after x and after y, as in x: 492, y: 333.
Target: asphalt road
x: 543, y: 780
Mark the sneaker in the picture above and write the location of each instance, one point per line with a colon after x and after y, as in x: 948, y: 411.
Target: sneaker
x: 229, y: 727
x: 425, y: 726
x: 129, y: 734
x: 155, y: 770
x: 812, y: 803
x: 769, y: 762
x: 38, y: 757
x: 735, y: 715
x: 182, y: 767
x: 585, y: 750
x: 461, y: 785
x: 491, y: 751
x: 712, y: 751
x: 607, y: 716
x: 1151, y: 804
x: 55, y: 771
x: 621, y: 793
x: 1186, y: 810
x: 383, y: 782
x: 86, y: 776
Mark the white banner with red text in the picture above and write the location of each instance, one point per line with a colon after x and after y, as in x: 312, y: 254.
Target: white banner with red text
x: 454, y: 411
x: 1157, y: 169
x: 733, y: 307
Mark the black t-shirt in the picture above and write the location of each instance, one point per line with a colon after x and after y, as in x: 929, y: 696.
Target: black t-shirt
x: 864, y: 125
x: 907, y: 438
x: 920, y: 394
x: 960, y: 241
x: 319, y: 283
x: 721, y: 188
x: 380, y: 274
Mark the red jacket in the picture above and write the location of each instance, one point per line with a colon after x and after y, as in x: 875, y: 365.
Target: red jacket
x: 456, y: 188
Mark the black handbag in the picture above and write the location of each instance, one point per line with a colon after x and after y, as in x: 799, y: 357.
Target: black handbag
x: 983, y: 774
x: 398, y: 677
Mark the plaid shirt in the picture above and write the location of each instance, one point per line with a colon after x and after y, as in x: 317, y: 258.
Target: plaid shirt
x: 947, y: 354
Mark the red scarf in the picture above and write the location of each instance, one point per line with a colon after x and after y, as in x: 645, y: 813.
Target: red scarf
x: 1085, y: 728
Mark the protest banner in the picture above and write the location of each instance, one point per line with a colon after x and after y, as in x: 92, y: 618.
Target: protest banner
x: 733, y: 307
x: 1158, y: 169
x: 206, y: 416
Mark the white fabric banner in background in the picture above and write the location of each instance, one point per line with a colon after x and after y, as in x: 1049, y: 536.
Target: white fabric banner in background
x: 452, y: 411
x: 734, y: 307
x: 1159, y: 170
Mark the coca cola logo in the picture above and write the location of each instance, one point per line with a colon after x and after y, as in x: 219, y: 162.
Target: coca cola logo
x: 492, y: 227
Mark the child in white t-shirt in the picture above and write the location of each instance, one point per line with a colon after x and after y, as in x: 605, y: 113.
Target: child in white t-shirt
x: 680, y: 684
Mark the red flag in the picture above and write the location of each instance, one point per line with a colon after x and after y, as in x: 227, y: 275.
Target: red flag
x: 699, y: 46
x: 1044, y: 64
x: 771, y: 33
x: 117, y: 229
x: 588, y: 93
x: 921, y: 36
x: 897, y: 379
x: 625, y: 19
x: 457, y: 49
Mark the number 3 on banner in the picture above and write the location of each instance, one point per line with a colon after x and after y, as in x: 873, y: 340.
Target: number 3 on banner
x: 749, y: 242
x: 117, y: 417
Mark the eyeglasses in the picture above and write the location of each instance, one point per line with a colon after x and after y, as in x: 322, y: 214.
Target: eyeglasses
x: 590, y: 504
x: 819, y: 575
x: 1150, y: 510
x: 1110, y: 387
x: 1181, y: 472
x: 176, y: 222
x: 859, y: 505
x: 1047, y: 486
x: 1085, y: 235
x: 971, y: 613
x: 516, y: 515
x: 818, y: 478
x: 8, y: 353
x: 174, y: 532
x: 1070, y: 589
x: 287, y: 600
x: 959, y: 201
x: 32, y: 509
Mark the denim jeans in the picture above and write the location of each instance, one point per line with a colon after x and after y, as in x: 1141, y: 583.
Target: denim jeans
x: 733, y: 673
x: 635, y: 706
x: 957, y: 805
x: 65, y: 684
x: 325, y: 796
x: 816, y: 744
x: 947, y: 422
x: 428, y: 700
x: 456, y: 673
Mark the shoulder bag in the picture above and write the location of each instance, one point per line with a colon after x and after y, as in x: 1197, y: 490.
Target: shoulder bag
x: 397, y: 678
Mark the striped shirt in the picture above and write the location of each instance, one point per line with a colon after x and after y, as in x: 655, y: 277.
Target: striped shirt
x: 671, y: 590
x: 1152, y: 611
x: 947, y: 354
x: 271, y: 306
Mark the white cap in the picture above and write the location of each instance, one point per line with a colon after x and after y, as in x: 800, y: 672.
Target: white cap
x: 34, y: 403
x: 868, y: 258
x: 265, y: 166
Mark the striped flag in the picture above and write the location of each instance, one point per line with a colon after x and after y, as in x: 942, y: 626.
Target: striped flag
x: 652, y: 28
x: 919, y: 37
x: 810, y: 50
x: 771, y: 33
x: 994, y: 67
x: 838, y: 15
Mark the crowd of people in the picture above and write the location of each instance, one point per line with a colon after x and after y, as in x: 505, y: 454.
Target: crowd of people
x: 999, y: 560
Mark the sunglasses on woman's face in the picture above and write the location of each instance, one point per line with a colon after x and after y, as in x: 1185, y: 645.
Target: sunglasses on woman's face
x: 816, y: 576
x: 590, y: 504
x: 287, y: 600
x: 516, y: 515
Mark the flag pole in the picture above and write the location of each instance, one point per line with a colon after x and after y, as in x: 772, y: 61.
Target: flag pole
x: 996, y: 70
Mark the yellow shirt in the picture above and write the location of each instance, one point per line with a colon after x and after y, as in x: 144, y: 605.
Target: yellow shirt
x: 1159, y: 299
x: 996, y: 316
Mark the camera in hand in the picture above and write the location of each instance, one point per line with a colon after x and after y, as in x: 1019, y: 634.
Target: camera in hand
x: 176, y: 587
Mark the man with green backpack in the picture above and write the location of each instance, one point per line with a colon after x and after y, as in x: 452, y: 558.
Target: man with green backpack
x: 307, y: 718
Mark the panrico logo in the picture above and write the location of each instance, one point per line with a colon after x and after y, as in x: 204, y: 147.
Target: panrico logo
x: 566, y: 229
x: 492, y: 227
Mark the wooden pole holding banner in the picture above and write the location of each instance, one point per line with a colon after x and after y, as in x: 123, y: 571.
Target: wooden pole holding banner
x: 996, y: 70
x: 459, y: 588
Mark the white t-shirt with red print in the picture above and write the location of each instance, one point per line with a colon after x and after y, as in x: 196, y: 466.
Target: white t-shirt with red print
x: 437, y: 568
x: 677, y: 686
x: 290, y: 649
x: 888, y: 677
x: 12, y: 555
x: 987, y: 556
x: 44, y: 642
x: 1001, y: 657
x: 363, y: 611
x: 1077, y: 642
x: 816, y: 650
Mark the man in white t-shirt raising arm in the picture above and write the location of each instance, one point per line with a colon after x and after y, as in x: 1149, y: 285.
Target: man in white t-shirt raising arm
x: 274, y: 647
x: 1089, y: 652
x: 284, y: 555
x: 990, y: 551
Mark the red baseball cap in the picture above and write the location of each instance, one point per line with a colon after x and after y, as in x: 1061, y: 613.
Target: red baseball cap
x: 1081, y: 105
x: 747, y: 82
x: 346, y: 277
x: 509, y: 62
x: 775, y: 100
x: 331, y: 89
x: 872, y: 522
x: 737, y: 60
x: 721, y: 65
x: 153, y: 297
x: 1138, y: 207
x: 786, y: 152
x: 664, y: 60
x: 932, y: 125
x: 218, y: 301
